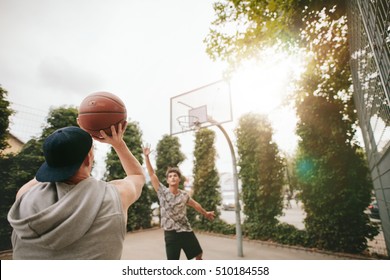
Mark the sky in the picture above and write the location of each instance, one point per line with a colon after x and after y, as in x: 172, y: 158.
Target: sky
x: 55, y: 53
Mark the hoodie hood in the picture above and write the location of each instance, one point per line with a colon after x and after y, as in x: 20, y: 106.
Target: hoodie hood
x: 55, y: 215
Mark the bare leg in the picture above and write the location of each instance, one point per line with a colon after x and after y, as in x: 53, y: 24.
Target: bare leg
x: 199, y: 257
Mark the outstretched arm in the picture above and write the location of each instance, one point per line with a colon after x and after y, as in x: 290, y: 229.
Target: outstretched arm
x: 210, y: 215
x: 130, y: 187
x: 152, y: 175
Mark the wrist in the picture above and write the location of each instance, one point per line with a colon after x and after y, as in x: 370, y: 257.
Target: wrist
x: 119, y: 145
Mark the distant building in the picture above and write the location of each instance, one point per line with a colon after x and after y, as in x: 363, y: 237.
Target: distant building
x: 15, y: 145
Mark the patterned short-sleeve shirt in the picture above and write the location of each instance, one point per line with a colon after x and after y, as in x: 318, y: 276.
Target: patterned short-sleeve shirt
x: 173, y: 209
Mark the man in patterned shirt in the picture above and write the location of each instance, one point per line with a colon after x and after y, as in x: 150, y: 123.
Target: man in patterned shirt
x: 178, y: 233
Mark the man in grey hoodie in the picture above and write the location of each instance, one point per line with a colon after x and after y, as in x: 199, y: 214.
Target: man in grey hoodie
x: 64, y: 213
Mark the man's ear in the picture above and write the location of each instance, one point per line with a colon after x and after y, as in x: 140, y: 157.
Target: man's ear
x: 88, y: 160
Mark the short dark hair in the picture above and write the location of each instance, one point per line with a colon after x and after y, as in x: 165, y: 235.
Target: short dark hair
x: 173, y: 170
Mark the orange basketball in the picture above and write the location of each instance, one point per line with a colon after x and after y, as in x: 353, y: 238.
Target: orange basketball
x: 99, y: 110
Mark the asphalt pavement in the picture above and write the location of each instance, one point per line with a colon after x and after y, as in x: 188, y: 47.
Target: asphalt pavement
x: 149, y: 245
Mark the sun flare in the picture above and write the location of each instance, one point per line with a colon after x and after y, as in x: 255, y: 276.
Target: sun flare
x: 263, y: 86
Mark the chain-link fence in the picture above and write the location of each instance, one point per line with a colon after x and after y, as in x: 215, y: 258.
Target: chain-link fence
x: 369, y: 34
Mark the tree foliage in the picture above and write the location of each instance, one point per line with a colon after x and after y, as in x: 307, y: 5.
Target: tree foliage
x: 334, y: 179
x: 339, y: 187
x: 168, y: 155
x: 206, y: 188
x: 139, y: 214
x: 242, y: 28
x: 7, y: 193
x: 5, y: 113
x: 7, y: 197
x: 59, y: 117
x: 261, y: 173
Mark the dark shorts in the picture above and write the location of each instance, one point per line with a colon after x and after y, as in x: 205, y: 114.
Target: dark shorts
x: 175, y: 241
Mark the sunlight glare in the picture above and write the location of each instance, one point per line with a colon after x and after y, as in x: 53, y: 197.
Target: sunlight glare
x: 263, y: 86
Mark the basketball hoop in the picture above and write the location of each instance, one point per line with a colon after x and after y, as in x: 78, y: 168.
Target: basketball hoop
x: 209, y: 100
x: 188, y: 122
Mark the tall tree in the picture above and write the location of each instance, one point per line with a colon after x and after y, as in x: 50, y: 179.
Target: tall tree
x: 168, y: 155
x: 339, y: 190
x: 7, y: 197
x: 206, y: 188
x: 334, y: 179
x: 139, y: 214
x: 5, y: 113
x: 261, y: 173
x: 7, y: 193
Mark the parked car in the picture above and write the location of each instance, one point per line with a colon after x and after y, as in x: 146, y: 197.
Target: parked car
x: 228, y: 202
x: 374, y: 209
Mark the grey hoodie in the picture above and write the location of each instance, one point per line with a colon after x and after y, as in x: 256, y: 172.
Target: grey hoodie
x: 60, y: 221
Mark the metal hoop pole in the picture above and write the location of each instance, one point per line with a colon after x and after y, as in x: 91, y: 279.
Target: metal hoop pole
x: 236, y: 193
